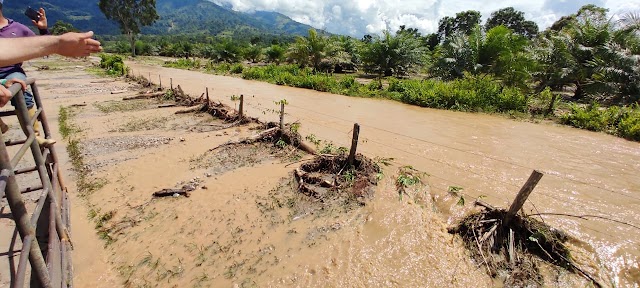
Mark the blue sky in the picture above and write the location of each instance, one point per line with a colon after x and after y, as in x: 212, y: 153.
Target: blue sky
x: 359, y: 17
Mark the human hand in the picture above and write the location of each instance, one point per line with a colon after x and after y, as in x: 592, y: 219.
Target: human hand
x: 5, y: 96
x: 42, y: 20
x: 77, y: 44
x: 10, y: 83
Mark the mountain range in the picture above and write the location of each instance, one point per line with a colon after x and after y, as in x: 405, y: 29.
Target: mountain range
x: 176, y: 17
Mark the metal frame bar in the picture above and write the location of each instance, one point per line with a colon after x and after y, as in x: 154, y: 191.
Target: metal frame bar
x: 56, y: 269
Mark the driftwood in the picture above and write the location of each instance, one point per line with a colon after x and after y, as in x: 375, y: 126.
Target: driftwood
x: 191, y: 109
x: 167, y: 105
x: 144, y: 96
x: 171, y: 192
x: 118, y: 91
x: 255, y: 138
x: 78, y: 105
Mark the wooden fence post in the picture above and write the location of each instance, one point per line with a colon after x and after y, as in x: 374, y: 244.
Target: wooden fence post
x: 171, y: 83
x: 522, y: 196
x: 282, y: 116
x: 240, y: 109
x: 354, y: 144
x: 207, y: 93
x: 160, y: 79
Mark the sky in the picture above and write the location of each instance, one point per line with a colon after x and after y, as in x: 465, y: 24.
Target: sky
x: 359, y: 17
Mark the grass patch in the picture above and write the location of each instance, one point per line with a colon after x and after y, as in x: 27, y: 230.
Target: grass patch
x: 85, y: 184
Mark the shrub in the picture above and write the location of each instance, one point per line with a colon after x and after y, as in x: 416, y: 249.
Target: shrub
x: 113, y: 64
x: 237, y: 68
x: 467, y: 94
x: 620, y: 121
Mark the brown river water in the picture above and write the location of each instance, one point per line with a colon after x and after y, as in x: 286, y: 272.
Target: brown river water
x: 586, y: 173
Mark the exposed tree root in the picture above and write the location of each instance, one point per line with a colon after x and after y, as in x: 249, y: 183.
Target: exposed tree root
x: 274, y: 135
x: 329, y: 177
x: 511, y: 250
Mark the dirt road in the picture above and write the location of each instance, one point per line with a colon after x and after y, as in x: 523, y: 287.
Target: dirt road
x: 586, y: 173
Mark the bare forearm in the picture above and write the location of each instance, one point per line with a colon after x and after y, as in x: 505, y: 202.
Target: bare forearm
x: 17, y: 50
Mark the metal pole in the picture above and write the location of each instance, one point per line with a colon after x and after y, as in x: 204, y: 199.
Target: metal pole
x: 21, y: 217
x: 47, y: 133
x: 23, y: 118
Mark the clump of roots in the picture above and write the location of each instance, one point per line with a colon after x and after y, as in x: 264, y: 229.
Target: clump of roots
x: 512, y: 251
x: 331, y: 177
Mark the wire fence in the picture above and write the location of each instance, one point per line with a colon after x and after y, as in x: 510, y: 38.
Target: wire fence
x: 457, y: 168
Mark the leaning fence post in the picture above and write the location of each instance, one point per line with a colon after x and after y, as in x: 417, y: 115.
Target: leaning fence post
x: 522, y: 196
x: 282, y: 116
x: 240, y: 112
x: 354, y: 144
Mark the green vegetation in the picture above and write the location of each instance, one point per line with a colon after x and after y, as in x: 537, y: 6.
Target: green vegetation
x: 621, y: 121
x: 85, y: 184
x: 505, y: 65
x: 113, y: 65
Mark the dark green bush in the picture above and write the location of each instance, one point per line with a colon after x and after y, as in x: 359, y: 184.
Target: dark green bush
x: 113, y: 64
x: 183, y: 64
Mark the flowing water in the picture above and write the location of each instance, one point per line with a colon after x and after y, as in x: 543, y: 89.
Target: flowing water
x: 586, y: 173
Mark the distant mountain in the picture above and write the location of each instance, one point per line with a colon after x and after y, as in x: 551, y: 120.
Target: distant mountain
x: 176, y: 17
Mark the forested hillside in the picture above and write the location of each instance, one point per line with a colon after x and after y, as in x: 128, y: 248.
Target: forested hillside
x: 176, y: 17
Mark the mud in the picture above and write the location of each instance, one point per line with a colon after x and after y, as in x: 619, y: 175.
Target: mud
x: 247, y: 224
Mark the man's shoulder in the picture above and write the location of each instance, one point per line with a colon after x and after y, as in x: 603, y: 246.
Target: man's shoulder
x: 19, y: 27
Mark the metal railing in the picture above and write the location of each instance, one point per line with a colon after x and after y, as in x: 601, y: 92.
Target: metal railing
x: 46, y: 246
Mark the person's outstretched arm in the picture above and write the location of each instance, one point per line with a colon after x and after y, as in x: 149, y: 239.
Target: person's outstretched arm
x: 16, y: 50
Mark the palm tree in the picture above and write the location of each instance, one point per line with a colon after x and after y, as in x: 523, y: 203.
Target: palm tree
x: 310, y: 50
x: 392, y: 54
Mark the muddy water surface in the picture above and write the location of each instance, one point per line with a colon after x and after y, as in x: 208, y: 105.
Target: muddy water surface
x: 586, y: 173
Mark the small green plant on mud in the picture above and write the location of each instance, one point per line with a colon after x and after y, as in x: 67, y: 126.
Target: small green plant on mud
x: 349, y: 176
x: 407, y: 177
x: 294, y: 127
x: 281, y: 143
x: 169, y: 95
x: 313, y: 139
x: 328, y: 148
x: 457, y: 192
x: 283, y: 101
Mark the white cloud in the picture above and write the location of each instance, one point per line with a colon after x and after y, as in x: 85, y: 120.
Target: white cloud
x: 359, y: 17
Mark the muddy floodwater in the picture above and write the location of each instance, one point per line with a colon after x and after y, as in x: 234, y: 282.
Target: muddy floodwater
x: 586, y: 173
x: 244, y: 225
